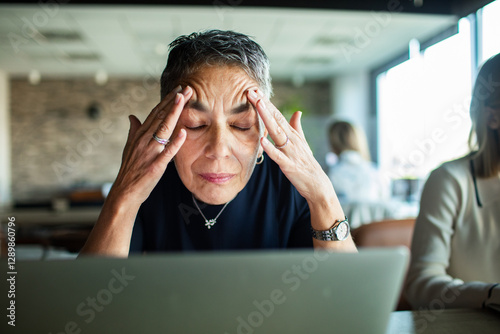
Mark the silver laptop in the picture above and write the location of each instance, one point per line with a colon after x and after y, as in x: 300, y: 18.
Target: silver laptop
x: 217, y: 292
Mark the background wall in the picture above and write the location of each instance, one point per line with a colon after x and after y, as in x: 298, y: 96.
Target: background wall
x: 58, y: 147
x: 351, y: 98
x: 314, y: 100
x: 351, y: 103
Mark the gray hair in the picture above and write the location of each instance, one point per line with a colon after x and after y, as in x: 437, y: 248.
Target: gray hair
x: 189, y: 53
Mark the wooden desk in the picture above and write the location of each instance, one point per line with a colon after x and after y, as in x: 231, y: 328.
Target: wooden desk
x: 453, y: 321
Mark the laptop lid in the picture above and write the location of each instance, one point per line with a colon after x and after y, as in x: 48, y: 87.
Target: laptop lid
x: 217, y: 292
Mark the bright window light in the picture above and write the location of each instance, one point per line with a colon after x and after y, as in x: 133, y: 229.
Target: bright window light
x: 423, y: 108
x: 490, y: 28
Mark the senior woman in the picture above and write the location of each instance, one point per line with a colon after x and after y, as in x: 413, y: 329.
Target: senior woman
x: 200, y: 174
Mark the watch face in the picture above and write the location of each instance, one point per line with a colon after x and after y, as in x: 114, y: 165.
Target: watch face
x: 342, y: 231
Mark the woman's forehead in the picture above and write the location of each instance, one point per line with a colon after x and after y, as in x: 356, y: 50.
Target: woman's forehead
x: 237, y: 108
x: 220, y: 82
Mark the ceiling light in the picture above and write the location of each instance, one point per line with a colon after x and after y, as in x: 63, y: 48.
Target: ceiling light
x: 81, y: 56
x: 314, y: 60
x: 101, y: 77
x: 34, y: 77
x: 55, y: 36
x: 331, y: 40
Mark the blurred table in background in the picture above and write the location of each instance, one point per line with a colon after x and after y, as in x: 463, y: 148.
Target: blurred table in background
x: 39, y: 230
x: 45, y: 216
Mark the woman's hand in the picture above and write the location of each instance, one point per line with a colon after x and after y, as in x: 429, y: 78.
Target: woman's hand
x: 145, y: 159
x: 143, y: 163
x: 295, y: 158
x: 291, y: 153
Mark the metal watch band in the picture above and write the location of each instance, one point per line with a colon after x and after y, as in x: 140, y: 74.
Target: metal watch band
x: 331, y: 234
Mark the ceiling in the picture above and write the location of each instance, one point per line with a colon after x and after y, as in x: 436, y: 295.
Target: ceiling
x: 132, y: 40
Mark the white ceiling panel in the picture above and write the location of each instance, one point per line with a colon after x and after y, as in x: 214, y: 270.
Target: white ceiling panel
x: 130, y: 40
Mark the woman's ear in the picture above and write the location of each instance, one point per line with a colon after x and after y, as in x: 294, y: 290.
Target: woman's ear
x: 493, y: 118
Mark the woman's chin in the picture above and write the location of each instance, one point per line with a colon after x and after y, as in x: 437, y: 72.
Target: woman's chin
x: 214, y: 198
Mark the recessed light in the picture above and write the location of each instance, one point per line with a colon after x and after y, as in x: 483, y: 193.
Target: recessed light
x: 332, y: 40
x: 34, y: 77
x: 57, y: 36
x: 101, y: 77
x: 81, y: 56
x: 315, y: 60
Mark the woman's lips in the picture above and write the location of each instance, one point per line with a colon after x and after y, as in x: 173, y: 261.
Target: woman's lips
x: 218, y: 178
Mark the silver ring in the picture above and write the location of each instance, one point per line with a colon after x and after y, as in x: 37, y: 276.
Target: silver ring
x: 286, y: 143
x: 160, y: 140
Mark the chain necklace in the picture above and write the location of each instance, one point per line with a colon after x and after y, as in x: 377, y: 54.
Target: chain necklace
x: 211, y: 222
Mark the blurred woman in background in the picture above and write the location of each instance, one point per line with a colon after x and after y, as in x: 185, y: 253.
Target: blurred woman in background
x: 355, y: 178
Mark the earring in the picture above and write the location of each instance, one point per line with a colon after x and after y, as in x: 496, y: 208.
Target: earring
x: 260, y: 160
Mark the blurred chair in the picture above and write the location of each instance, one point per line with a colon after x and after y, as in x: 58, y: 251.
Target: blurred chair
x: 361, y: 213
x: 386, y: 233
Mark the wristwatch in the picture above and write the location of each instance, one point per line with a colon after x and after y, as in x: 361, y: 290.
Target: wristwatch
x: 338, y: 232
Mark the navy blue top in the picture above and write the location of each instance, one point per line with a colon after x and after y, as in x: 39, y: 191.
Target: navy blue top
x: 268, y: 213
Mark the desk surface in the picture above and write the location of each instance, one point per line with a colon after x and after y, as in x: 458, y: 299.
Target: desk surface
x: 456, y: 321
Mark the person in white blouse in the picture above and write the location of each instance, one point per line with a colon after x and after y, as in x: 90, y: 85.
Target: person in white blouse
x: 361, y: 188
x: 456, y: 242
x: 354, y: 176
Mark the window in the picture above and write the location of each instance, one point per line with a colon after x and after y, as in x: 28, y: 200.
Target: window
x: 490, y: 30
x: 423, y: 107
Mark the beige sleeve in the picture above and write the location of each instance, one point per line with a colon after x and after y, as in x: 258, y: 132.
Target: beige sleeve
x: 428, y: 285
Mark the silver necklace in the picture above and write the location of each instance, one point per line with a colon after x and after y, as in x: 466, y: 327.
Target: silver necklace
x: 211, y: 222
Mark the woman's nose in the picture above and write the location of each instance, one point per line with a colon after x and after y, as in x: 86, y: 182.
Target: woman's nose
x: 218, y: 142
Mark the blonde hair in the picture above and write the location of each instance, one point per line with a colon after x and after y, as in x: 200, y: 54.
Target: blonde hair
x: 483, y: 140
x: 345, y: 136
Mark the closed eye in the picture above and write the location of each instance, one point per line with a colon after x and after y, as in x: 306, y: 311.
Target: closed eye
x: 241, y: 128
x: 195, y: 128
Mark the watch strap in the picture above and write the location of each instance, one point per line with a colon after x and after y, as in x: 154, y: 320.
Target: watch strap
x: 330, y: 234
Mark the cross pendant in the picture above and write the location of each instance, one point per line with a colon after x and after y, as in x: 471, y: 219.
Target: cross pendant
x: 210, y: 223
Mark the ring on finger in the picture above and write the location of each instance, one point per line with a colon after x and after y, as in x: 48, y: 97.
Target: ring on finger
x: 160, y: 140
x: 282, y: 146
